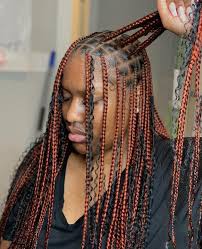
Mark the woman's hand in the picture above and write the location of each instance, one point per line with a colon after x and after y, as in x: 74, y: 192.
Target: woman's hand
x: 176, y: 15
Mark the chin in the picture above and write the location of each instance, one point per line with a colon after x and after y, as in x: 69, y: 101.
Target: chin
x: 79, y: 148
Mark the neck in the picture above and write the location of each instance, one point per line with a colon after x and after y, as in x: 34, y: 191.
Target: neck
x: 80, y: 160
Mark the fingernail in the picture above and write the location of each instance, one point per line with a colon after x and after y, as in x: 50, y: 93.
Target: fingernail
x: 172, y: 8
x: 189, y: 13
x: 181, y: 14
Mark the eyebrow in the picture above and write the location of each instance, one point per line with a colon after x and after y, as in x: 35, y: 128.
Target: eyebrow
x: 82, y: 93
x: 63, y: 88
x: 78, y: 91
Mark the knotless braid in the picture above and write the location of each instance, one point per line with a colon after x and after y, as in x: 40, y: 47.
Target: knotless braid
x: 179, y: 145
x: 105, y: 99
x: 114, y: 212
x: 112, y: 168
x: 120, y: 217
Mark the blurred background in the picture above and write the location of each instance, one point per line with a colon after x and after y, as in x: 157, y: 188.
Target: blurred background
x: 33, y: 31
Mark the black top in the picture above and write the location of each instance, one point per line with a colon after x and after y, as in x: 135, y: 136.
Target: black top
x: 66, y: 236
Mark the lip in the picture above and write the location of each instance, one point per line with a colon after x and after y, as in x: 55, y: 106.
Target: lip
x: 76, y: 135
x: 76, y: 131
x: 77, y: 138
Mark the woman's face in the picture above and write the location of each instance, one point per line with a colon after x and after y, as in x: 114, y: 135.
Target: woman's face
x: 73, y: 107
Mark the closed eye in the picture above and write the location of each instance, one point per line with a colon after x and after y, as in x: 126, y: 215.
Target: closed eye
x: 66, y: 95
x: 66, y: 99
x: 96, y: 102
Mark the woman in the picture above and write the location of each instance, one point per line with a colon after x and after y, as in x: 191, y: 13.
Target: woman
x: 101, y: 176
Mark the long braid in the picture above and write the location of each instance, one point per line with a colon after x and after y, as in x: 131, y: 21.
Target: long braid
x: 194, y: 164
x: 116, y: 223
x: 152, y: 38
x: 114, y: 212
x: 140, y: 159
x: 123, y: 214
x: 105, y: 99
x: 146, y: 149
x: 148, y: 141
x: 131, y: 181
x: 181, y: 127
x: 89, y: 158
x: 142, y: 32
x: 42, y: 189
x: 139, y: 23
x: 35, y: 206
x: 112, y: 168
x: 125, y: 211
x: 19, y: 187
x: 122, y: 242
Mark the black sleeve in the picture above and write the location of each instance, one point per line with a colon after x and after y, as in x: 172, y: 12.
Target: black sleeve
x: 20, y: 208
x: 11, y: 224
x: 160, y: 211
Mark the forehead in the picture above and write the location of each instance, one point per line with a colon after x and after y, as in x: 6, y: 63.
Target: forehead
x: 74, y: 75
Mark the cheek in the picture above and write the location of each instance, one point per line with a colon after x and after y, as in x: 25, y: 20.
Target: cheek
x: 64, y: 110
x: 112, y: 119
x: 80, y: 148
x: 109, y: 134
x: 110, y: 131
x: 97, y: 122
x: 111, y: 122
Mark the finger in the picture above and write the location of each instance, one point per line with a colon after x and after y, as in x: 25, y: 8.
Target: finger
x: 187, y: 3
x: 168, y: 12
x: 181, y: 10
x: 189, y: 9
x: 164, y: 12
x: 177, y: 9
x: 173, y: 8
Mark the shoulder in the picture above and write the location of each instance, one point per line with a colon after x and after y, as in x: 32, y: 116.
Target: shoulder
x: 164, y: 146
x: 164, y: 155
x: 162, y: 150
x: 18, y: 210
x: 24, y: 176
x: 163, y: 173
x: 31, y: 156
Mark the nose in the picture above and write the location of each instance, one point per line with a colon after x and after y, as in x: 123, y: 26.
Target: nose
x: 74, y: 111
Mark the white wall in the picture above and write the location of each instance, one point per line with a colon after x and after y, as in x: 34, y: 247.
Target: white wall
x: 44, y: 25
x: 19, y: 100
x: 51, y: 26
x: 112, y: 14
x: 20, y: 92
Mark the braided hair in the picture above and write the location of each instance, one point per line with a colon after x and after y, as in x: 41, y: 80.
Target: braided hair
x: 122, y: 215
